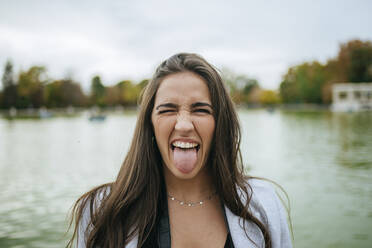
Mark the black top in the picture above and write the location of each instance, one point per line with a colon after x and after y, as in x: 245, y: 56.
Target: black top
x: 163, y: 230
x: 229, y: 243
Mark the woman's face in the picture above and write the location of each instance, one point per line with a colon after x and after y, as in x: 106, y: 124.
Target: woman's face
x: 183, y: 123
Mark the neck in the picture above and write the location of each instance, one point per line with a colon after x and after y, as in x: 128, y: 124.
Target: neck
x: 193, y: 189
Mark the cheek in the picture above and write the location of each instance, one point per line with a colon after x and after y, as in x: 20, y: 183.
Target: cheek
x: 211, y: 132
x: 162, y: 129
x: 207, y: 129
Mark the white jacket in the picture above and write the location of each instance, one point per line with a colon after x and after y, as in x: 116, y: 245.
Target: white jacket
x: 265, y: 205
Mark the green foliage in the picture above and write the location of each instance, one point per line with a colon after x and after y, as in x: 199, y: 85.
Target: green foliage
x: 289, y: 88
x: 312, y: 82
x: 240, y: 86
x: 129, y: 92
x: 309, y: 82
x: 143, y: 84
x: 360, y: 56
x: 269, y: 97
x: 63, y: 93
x: 9, y: 95
x: 8, y: 78
x: 311, y: 78
x: 124, y: 93
x: 30, y: 87
x: 97, y: 92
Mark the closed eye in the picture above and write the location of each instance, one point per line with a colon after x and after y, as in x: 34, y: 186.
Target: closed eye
x: 202, y: 107
x: 207, y: 111
x: 165, y: 111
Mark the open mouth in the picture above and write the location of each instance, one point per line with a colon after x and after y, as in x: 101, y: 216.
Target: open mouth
x: 185, y: 145
x: 185, y: 155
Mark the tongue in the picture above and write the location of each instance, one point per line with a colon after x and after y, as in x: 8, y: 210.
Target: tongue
x: 184, y: 159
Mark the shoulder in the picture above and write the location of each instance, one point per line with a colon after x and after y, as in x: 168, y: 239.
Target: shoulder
x: 89, y: 205
x: 268, y: 208
x: 92, y: 203
x: 263, y: 196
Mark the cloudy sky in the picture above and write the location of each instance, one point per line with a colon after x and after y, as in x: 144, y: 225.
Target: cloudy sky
x: 125, y: 39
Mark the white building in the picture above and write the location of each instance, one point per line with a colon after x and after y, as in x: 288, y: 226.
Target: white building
x: 349, y: 97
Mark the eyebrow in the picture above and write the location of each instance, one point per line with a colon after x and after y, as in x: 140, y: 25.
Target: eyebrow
x: 201, y: 104
x: 194, y: 105
x: 166, y: 105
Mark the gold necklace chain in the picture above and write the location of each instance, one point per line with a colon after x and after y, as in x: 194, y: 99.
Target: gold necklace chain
x: 192, y: 204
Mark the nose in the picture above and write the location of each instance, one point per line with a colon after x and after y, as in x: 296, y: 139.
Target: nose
x: 184, y: 122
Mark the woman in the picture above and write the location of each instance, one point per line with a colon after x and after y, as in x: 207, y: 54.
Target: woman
x: 182, y: 182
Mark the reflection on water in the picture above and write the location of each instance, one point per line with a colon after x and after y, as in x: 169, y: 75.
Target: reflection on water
x: 322, y: 159
x: 355, y: 139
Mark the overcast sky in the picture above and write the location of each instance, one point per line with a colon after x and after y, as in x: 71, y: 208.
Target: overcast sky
x: 127, y: 39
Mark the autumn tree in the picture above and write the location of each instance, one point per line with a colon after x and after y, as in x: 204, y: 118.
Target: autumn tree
x: 312, y: 82
x: 240, y: 86
x: 269, y: 97
x: 289, y: 88
x: 112, y: 96
x: 129, y: 92
x: 352, y: 64
x: 356, y: 58
x: 64, y: 93
x: 143, y: 84
x: 30, y: 87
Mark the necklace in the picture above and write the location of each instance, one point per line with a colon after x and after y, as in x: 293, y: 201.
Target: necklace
x: 192, y: 204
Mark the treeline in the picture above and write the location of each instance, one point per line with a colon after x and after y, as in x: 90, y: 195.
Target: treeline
x: 33, y: 89
x: 247, y: 91
x: 311, y: 82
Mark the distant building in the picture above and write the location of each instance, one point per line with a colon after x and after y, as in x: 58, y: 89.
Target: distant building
x: 349, y: 97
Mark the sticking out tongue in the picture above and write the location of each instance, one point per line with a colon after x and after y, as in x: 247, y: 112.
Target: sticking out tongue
x: 184, y: 159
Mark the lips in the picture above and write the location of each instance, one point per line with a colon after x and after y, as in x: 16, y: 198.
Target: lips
x: 185, y: 145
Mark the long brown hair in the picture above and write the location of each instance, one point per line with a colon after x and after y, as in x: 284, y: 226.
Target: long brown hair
x: 131, y: 205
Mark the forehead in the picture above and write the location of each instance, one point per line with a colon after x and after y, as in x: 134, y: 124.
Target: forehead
x: 183, y: 87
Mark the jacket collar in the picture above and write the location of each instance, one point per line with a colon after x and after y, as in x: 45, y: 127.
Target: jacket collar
x: 239, y: 236
x: 237, y: 232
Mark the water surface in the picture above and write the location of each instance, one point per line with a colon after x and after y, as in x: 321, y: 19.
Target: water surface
x: 322, y: 159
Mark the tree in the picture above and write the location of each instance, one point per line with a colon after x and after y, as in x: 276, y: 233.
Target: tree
x: 269, y: 97
x: 63, y: 93
x: 289, y: 88
x: 97, y: 91
x: 143, y: 84
x: 30, y: 87
x: 355, y: 60
x: 361, y: 63
x: 303, y: 83
x: 9, y: 96
x: 352, y: 64
x: 112, y: 96
x: 129, y: 92
x: 240, y: 86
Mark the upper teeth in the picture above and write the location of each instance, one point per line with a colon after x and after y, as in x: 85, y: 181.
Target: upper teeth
x: 181, y: 144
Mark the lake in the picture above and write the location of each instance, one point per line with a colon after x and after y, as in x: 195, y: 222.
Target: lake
x: 323, y: 160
